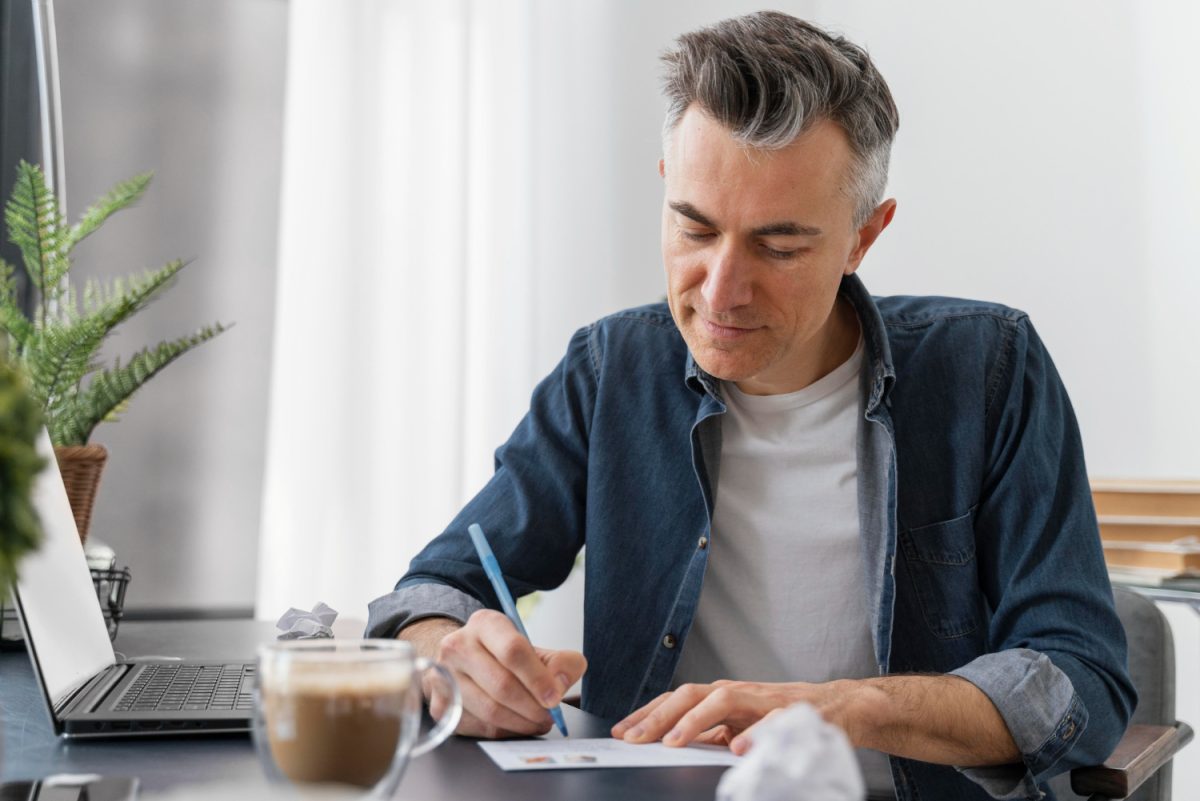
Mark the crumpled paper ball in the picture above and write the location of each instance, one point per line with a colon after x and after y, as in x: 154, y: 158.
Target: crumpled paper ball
x: 796, y: 756
x: 296, y: 624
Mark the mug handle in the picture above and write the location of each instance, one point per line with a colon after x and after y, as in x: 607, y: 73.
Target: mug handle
x: 450, y: 718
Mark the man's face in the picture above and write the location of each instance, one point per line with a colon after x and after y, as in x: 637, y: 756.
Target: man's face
x: 755, y: 244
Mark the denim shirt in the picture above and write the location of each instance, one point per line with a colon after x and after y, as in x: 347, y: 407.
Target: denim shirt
x: 980, y: 549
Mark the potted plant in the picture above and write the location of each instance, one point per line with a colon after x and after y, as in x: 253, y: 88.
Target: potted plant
x: 20, y: 424
x: 58, y: 344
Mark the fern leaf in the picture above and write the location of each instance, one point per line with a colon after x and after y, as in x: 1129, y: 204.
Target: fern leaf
x: 58, y: 357
x: 37, y: 228
x: 119, y: 197
x: 12, y: 319
x: 115, y: 414
x: 8, y: 282
x: 111, y: 388
x: 122, y: 298
x: 59, y: 342
x: 64, y: 353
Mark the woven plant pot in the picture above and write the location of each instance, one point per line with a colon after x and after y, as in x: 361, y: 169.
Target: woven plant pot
x: 81, y: 466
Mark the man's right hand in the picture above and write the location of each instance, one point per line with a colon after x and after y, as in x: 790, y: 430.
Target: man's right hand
x: 507, y: 684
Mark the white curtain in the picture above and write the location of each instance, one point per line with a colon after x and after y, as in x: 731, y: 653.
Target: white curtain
x: 423, y: 282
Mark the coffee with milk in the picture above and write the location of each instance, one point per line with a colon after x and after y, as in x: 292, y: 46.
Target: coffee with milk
x: 331, y: 723
x: 346, y: 711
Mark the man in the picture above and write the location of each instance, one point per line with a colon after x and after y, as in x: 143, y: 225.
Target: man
x: 791, y: 491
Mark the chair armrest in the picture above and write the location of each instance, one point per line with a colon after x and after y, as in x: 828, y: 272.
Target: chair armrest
x: 1141, y: 752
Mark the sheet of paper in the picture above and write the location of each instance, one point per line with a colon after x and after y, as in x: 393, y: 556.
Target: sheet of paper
x: 600, y: 753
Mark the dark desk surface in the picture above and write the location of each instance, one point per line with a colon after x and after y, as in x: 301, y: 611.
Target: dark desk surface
x: 457, y: 770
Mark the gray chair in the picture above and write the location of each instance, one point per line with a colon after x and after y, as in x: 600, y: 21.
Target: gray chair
x: 1140, y: 767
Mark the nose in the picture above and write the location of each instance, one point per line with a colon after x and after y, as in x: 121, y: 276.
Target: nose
x: 727, y: 284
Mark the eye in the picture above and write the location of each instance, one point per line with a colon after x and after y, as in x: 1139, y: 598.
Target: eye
x: 782, y: 255
x: 697, y: 236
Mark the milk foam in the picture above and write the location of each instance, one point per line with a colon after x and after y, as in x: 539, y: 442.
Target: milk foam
x: 341, y: 680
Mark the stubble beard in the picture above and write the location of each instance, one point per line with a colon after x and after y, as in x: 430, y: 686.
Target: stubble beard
x: 727, y: 360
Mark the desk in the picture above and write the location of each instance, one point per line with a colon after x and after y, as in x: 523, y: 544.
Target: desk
x: 457, y: 770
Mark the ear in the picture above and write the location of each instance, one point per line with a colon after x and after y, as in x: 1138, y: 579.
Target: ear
x: 662, y: 168
x: 870, y: 231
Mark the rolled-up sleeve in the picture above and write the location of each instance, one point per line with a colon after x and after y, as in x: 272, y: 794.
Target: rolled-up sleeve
x: 1057, y: 670
x: 1041, y: 709
x: 387, y: 615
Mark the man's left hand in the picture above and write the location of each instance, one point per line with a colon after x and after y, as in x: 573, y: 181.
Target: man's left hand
x: 717, y: 713
x: 945, y: 720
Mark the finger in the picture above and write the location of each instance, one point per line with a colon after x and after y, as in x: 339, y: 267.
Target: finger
x: 471, y: 726
x: 468, y: 725
x: 717, y: 707
x: 463, y: 654
x: 743, y: 742
x: 503, y: 687
x: 567, y: 667
x: 637, y: 716
x: 737, y: 706
x: 717, y: 735
x: 512, y: 650
x: 664, y: 717
x: 493, y: 719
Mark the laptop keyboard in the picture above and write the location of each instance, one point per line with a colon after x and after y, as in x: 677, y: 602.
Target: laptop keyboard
x: 169, y: 687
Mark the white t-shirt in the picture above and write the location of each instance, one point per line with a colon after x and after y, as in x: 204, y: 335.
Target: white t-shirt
x: 784, y: 596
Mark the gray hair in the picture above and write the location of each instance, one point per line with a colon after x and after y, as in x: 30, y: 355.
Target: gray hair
x: 769, y: 77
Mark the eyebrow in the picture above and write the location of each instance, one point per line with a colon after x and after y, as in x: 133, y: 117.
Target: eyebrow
x: 770, y: 229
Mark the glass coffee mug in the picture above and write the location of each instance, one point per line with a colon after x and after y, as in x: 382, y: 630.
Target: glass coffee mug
x: 345, y: 712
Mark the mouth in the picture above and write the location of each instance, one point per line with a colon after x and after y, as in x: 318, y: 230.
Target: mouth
x: 725, y: 332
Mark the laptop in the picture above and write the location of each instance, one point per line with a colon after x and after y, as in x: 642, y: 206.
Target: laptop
x: 89, y: 691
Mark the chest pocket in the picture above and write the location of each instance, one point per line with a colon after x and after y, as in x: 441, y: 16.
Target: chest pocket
x: 940, y: 559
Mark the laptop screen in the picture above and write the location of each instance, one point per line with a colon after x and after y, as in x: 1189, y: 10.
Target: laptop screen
x: 66, y: 634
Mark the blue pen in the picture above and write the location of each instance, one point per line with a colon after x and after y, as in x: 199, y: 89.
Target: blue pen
x: 492, y: 568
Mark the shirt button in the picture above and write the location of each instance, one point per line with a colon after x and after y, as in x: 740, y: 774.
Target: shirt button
x: 669, y: 641
x: 703, y: 543
x: 1069, y: 730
